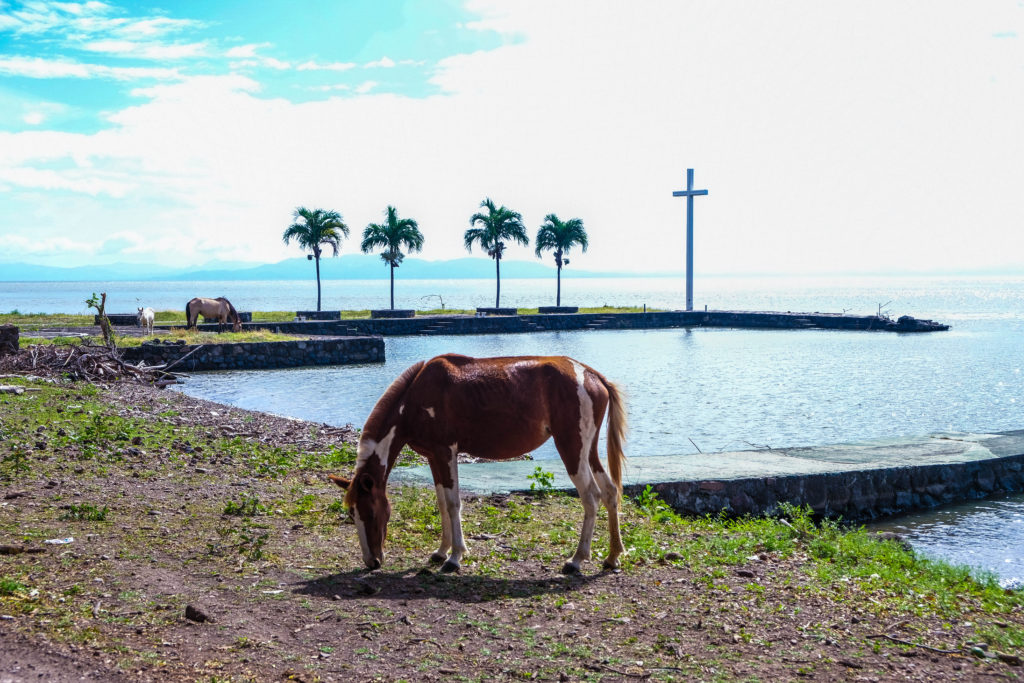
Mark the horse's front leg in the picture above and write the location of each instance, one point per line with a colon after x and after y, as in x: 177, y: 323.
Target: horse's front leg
x: 444, y: 467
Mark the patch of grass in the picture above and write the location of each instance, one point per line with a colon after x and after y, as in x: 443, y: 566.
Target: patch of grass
x: 11, y: 587
x: 85, y: 512
x: 246, y: 507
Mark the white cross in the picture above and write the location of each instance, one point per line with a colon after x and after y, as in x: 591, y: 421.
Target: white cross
x: 689, y: 193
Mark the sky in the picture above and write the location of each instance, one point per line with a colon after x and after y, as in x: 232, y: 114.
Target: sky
x: 832, y: 137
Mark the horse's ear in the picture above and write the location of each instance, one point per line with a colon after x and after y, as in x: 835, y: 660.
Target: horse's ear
x: 340, y: 481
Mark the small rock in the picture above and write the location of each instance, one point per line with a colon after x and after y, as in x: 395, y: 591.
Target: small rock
x: 195, y: 614
x: 745, y: 573
x: 1005, y: 658
x: 673, y: 557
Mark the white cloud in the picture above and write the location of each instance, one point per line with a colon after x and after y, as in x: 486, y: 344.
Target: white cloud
x: 365, y: 87
x: 382, y: 63
x: 267, y: 62
x: 38, y: 67
x: 28, y: 246
x: 46, y: 179
x: 154, y: 51
x: 33, y: 118
x: 245, y: 51
x: 839, y: 136
x: 331, y: 66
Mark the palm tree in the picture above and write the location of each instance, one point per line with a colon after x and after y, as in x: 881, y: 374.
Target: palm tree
x: 313, y: 227
x: 497, y: 225
x: 392, y: 234
x: 560, y: 236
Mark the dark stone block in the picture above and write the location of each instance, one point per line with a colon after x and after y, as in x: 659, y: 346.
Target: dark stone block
x: 319, y: 315
x: 557, y: 309
x: 393, y: 313
x: 498, y: 311
x: 9, y: 340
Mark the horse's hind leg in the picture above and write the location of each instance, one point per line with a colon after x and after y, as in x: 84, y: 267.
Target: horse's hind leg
x: 610, y: 498
x: 590, y: 496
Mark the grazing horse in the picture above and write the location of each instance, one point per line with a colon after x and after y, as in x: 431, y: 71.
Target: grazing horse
x: 219, y: 309
x: 146, y: 317
x: 497, y: 409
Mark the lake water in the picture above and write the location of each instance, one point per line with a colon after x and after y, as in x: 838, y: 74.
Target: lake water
x: 711, y: 389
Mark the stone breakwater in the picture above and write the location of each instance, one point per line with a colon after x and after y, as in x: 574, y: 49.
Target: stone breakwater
x: 260, y: 355
x: 468, y: 324
x: 856, y: 482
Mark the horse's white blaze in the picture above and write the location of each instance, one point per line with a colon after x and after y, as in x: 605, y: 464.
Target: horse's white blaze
x: 365, y: 449
x: 401, y: 409
x: 364, y: 544
x: 368, y: 448
x: 587, y: 426
x: 430, y: 412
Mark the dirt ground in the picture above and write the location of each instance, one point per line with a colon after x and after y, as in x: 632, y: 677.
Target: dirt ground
x: 172, y: 588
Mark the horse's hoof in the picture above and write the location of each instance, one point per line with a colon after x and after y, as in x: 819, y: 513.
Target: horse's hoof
x: 438, y: 558
x: 610, y: 564
x: 449, y: 567
x: 570, y: 569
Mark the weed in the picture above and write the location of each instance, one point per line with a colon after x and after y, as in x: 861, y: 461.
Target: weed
x: 247, y: 507
x: 11, y: 587
x: 543, y: 482
x: 85, y: 512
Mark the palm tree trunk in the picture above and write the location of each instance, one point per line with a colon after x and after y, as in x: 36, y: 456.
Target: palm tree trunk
x: 558, y: 297
x: 497, y: 294
x: 392, y: 286
x: 318, y: 283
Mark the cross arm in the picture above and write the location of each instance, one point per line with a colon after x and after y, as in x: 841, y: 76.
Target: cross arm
x: 688, y: 193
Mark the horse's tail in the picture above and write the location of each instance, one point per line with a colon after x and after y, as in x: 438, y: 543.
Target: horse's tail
x: 188, y: 314
x: 616, y: 433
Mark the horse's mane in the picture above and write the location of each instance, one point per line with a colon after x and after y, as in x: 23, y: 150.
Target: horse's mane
x: 231, y: 308
x: 382, y: 410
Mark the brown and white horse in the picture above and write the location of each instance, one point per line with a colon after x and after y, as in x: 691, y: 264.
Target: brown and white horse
x: 219, y: 309
x: 493, y: 408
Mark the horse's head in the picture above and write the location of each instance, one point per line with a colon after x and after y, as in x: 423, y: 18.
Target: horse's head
x: 139, y: 314
x: 368, y: 506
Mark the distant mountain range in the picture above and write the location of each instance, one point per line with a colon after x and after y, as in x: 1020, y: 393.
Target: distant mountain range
x: 347, y: 267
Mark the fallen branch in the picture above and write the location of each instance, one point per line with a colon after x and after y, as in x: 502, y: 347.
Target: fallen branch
x: 907, y: 642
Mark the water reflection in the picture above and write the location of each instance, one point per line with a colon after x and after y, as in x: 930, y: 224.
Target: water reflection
x: 983, y: 534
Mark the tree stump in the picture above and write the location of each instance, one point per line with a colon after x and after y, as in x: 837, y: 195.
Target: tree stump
x: 8, y: 340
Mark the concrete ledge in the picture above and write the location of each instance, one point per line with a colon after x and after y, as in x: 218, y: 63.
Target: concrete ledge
x: 498, y: 311
x: 854, y: 481
x: 546, y: 310
x: 261, y: 355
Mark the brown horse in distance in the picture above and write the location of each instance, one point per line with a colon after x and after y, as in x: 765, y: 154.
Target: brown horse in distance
x: 219, y: 309
x: 493, y: 408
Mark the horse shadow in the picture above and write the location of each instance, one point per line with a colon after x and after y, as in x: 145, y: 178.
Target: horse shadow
x: 422, y: 583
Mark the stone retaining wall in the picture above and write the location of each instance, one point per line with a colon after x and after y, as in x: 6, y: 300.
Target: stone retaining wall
x: 468, y: 324
x: 854, y: 496
x: 262, y: 355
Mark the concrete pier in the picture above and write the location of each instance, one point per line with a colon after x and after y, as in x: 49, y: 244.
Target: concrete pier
x: 503, y: 324
x: 858, y: 481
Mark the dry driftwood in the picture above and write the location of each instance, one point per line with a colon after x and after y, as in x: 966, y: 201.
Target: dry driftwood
x: 84, y: 362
